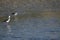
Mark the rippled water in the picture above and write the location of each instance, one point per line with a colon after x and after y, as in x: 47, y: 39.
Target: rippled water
x: 31, y: 28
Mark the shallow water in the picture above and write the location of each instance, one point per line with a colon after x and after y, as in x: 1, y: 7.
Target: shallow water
x: 31, y: 28
x: 31, y: 25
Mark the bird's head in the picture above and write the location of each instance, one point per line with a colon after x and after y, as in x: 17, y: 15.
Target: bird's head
x: 15, y: 14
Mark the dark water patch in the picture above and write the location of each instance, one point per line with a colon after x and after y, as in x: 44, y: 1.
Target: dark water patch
x: 16, y: 37
x: 34, y: 38
x: 2, y: 36
x: 42, y: 39
x: 55, y: 39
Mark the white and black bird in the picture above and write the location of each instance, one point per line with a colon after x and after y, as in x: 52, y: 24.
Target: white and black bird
x: 9, y: 17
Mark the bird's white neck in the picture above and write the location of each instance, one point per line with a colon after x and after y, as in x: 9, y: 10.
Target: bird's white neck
x: 8, y: 19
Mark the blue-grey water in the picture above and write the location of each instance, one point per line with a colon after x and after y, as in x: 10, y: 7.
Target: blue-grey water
x: 31, y: 28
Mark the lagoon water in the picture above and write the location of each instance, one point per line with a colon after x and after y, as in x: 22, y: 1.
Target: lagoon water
x: 39, y: 20
x: 31, y: 28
